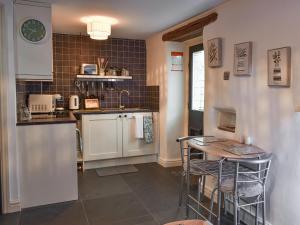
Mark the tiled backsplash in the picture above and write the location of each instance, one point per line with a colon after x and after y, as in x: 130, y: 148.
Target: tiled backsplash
x: 70, y: 51
x: 152, y: 97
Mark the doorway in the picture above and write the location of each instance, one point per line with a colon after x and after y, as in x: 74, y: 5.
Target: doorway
x: 196, y: 89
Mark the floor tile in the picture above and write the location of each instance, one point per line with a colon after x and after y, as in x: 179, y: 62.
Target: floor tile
x: 55, y: 214
x: 109, y: 210
x: 93, y: 186
x: 156, y: 199
x: 150, y: 178
x: 148, y: 197
x: 10, y: 219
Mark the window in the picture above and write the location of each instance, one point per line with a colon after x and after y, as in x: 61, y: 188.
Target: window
x: 198, y: 79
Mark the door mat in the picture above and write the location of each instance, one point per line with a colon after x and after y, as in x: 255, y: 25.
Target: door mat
x: 115, y: 170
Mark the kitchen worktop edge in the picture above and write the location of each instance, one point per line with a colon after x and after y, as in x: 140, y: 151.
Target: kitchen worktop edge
x: 56, y: 120
x: 71, y: 118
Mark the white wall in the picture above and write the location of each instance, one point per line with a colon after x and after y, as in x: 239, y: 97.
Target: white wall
x: 175, y: 102
x: 173, y: 92
x: 171, y: 87
x: 8, y: 109
x: 265, y: 113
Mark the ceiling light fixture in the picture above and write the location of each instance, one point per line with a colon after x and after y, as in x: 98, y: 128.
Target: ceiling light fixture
x: 99, y: 27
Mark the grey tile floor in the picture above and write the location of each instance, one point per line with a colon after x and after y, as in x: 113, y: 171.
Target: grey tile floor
x: 148, y: 197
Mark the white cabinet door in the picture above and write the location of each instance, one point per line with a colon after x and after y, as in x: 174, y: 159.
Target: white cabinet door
x: 33, y: 60
x: 131, y: 145
x: 102, y: 136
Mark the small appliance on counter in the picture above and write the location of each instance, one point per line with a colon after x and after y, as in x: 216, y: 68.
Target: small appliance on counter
x: 41, y: 103
x: 59, y: 100
x: 74, y: 102
x: 91, y: 103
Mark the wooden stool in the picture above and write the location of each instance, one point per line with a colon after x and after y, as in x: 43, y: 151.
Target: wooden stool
x: 188, y: 222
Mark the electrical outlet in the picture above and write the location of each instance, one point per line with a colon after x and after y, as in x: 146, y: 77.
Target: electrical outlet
x: 226, y: 75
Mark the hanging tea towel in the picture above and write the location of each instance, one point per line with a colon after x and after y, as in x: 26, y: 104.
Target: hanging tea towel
x: 139, y: 124
x: 148, y: 129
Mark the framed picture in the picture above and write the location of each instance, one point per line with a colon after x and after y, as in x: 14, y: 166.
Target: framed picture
x: 279, y: 67
x: 89, y: 69
x: 177, y: 61
x: 243, y: 58
x: 214, y: 52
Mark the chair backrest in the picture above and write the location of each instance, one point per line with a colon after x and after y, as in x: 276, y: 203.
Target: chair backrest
x: 245, y: 172
x: 182, y: 141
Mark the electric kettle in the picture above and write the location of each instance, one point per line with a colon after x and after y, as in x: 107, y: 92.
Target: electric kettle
x: 74, y: 102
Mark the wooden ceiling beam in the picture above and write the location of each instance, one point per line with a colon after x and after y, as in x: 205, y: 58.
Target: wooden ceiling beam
x: 189, y: 36
x: 190, y: 30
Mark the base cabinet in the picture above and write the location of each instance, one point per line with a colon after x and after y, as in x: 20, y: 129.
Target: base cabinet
x: 109, y: 136
x: 102, y: 136
x: 131, y: 145
x: 48, y: 170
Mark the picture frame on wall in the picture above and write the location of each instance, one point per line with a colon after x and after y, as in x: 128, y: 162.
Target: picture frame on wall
x: 279, y: 67
x: 214, y: 52
x: 243, y: 59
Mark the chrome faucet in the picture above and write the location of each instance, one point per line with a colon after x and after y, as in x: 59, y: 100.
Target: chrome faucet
x: 121, y: 92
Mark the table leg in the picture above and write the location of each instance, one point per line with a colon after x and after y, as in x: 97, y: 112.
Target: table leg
x: 188, y: 181
x: 219, y: 192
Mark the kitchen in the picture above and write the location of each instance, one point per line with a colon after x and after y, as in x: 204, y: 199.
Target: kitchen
x: 89, y: 79
x: 101, y: 102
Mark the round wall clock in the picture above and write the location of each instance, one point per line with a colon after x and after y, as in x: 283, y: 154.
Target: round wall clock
x: 33, y: 30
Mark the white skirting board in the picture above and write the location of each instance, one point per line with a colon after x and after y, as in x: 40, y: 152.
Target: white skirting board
x: 169, y: 162
x: 120, y: 161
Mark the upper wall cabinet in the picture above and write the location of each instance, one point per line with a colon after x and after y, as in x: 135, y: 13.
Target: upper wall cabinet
x: 33, y: 40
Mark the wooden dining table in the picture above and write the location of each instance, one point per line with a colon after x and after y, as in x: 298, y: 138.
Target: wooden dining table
x: 223, y: 149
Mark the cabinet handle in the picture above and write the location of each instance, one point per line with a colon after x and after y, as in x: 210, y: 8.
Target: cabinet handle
x: 125, y: 116
x: 120, y: 116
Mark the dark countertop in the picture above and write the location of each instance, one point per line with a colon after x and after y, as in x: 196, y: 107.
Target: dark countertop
x: 110, y: 110
x: 67, y: 117
x: 73, y: 116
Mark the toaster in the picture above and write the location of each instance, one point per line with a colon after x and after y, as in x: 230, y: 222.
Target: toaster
x: 41, y: 103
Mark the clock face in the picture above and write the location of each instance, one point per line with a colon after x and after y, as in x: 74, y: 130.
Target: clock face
x: 33, y: 30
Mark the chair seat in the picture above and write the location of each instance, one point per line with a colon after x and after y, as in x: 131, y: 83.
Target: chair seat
x: 188, y: 222
x: 209, y: 167
x: 245, y: 189
x: 201, y: 167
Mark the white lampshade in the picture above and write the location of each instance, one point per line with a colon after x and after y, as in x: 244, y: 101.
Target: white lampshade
x: 99, y: 27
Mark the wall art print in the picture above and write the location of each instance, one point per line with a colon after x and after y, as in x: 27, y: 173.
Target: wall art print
x: 279, y: 67
x: 243, y: 58
x: 214, y: 52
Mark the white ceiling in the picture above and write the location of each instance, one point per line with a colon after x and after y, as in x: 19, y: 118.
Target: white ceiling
x: 137, y: 18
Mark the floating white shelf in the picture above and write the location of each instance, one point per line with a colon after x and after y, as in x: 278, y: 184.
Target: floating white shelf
x: 103, y: 78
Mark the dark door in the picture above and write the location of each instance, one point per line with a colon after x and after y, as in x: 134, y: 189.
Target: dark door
x: 196, y: 89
